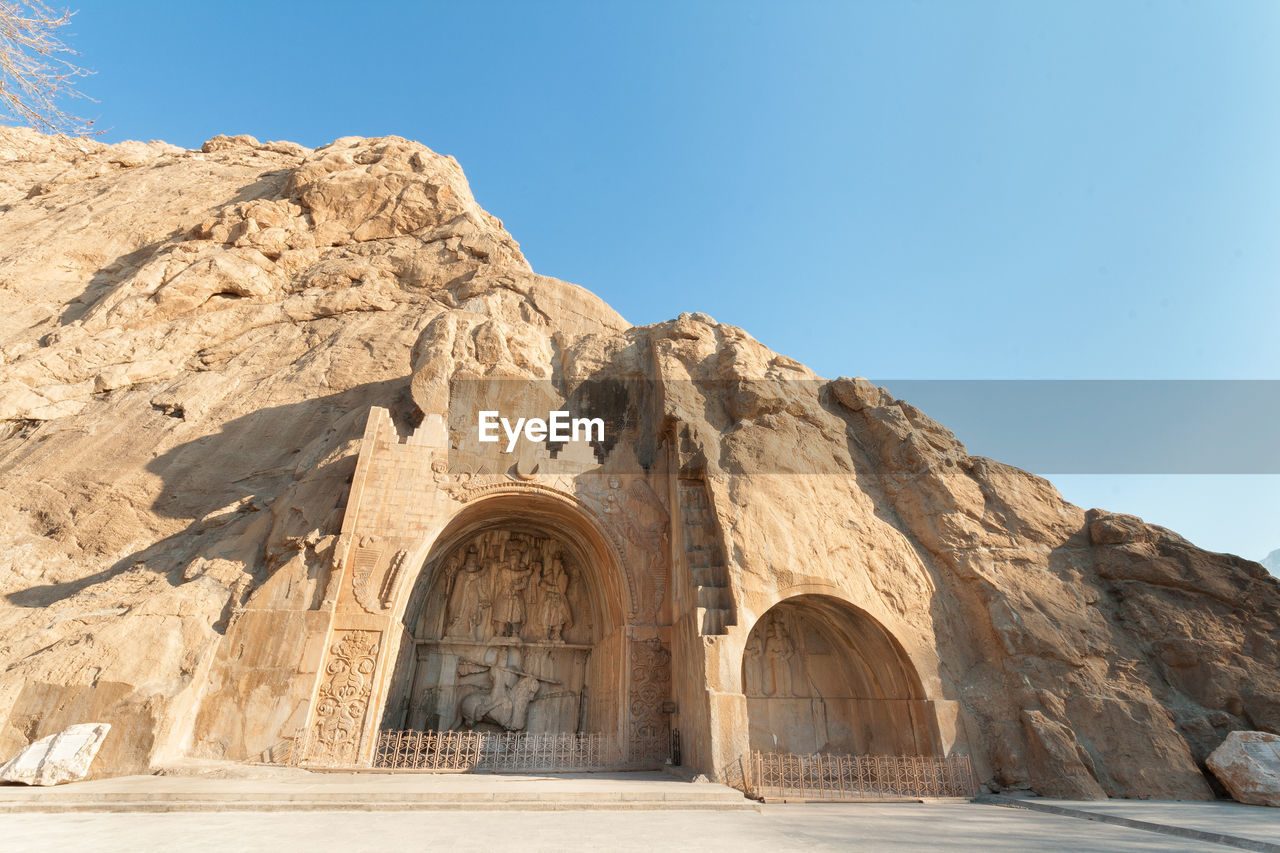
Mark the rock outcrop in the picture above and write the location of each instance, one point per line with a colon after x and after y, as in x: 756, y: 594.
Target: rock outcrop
x: 1248, y: 765
x: 64, y: 757
x: 189, y: 348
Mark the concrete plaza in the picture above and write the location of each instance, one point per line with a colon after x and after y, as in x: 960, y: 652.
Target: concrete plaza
x: 929, y: 826
x: 276, y: 810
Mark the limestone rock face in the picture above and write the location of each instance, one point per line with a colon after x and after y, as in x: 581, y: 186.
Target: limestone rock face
x: 1248, y: 764
x: 64, y: 757
x: 189, y: 349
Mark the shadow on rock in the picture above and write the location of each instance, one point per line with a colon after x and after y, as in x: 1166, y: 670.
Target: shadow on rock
x: 256, y: 492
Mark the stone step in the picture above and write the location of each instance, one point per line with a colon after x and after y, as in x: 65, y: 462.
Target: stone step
x: 702, y: 557
x: 715, y: 597
x: 144, y: 806
x: 715, y: 620
x: 716, y: 794
x: 704, y: 575
x: 297, y: 790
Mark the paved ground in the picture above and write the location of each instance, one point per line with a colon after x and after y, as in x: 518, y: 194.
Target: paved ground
x: 951, y: 826
x: 244, y: 808
x: 250, y: 782
x: 1256, y: 822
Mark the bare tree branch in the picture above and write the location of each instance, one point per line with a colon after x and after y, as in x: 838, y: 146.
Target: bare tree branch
x: 35, y: 69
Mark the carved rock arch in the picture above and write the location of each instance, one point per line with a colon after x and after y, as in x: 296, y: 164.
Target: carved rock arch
x: 496, y: 550
x: 822, y: 675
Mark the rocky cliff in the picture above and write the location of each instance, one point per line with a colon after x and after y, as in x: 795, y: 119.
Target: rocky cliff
x: 190, y: 344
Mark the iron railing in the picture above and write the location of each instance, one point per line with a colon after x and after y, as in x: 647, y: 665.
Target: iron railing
x: 785, y: 775
x: 510, y: 751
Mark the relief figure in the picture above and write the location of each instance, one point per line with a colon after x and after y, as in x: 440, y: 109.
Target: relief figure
x: 778, y: 654
x: 510, y: 692
x: 554, y: 612
x: 508, y: 609
x: 469, y: 597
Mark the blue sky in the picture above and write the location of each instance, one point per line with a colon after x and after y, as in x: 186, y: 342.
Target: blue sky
x: 912, y: 190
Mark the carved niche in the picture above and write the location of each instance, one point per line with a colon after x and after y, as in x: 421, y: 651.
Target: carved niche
x: 504, y: 638
x: 811, y: 688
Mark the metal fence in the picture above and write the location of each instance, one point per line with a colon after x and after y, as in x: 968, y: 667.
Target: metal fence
x: 462, y: 751
x: 785, y: 775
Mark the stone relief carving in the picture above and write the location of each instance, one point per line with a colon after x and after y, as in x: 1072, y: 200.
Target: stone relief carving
x: 463, y: 482
x: 509, y: 607
x: 779, y: 656
x: 458, y: 483
x: 771, y: 666
x: 510, y: 690
x: 387, y: 590
x: 650, y: 688
x: 334, y: 585
x: 440, y: 473
x: 469, y: 597
x: 509, y: 635
x: 809, y: 689
x: 555, y: 612
x: 364, y: 565
x: 344, y: 696
x: 374, y: 589
x: 640, y: 517
x: 503, y: 584
x: 504, y: 644
x: 565, y: 487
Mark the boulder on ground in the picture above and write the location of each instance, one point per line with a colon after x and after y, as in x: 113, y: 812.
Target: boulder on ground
x: 64, y: 757
x: 1248, y: 764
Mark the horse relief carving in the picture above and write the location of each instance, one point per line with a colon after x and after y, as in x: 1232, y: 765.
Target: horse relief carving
x: 505, y: 702
x: 504, y: 636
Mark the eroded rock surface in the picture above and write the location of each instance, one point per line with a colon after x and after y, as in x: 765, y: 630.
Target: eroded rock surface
x: 64, y: 757
x: 189, y: 347
x: 1248, y: 765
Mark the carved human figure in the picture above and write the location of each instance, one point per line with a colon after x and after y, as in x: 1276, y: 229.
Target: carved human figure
x: 510, y: 692
x: 521, y: 695
x: 554, y: 611
x: 778, y: 654
x: 497, y: 704
x: 469, y: 597
x: 509, y: 610
x: 614, y: 496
